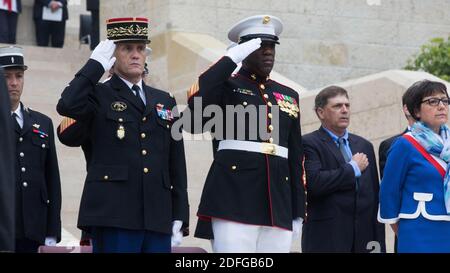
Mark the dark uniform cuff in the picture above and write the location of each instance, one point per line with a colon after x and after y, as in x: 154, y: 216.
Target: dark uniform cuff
x: 92, y: 70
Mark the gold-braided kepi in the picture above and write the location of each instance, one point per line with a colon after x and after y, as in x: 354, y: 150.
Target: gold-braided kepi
x: 127, y: 29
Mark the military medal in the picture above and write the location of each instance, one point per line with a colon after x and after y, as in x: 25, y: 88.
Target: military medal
x: 287, y: 104
x: 120, y: 132
x: 163, y: 113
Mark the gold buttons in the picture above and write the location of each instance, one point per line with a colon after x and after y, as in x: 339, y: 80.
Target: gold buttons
x: 144, y: 119
x: 144, y: 152
x: 168, y: 126
x: 271, y: 140
x: 25, y: 184
x: 233, y: 167
x: 244, y: 103
x: 23, y: 169
x: 105, y: 177
x: 271, y: 127
x: 146, y: 170
x: 20, y: 139
x: 143, y: 135
x: 120, y: 119
x: 266, y: 96
x: 262, y: 86
x: 269, y: 115
x: 21, y: 154
x: 269, y: 104
x: 43, y: 146
x: 48, y: 201
x: 287, y: 178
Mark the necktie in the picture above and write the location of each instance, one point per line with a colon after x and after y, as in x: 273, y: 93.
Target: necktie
x: 15, y: 123
x: 344, y: 153
x: 137, y: 93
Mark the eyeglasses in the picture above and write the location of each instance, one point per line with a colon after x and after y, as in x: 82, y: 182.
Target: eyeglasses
x: 436, y: 101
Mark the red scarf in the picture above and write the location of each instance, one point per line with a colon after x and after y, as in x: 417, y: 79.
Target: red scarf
x: 8, y: 3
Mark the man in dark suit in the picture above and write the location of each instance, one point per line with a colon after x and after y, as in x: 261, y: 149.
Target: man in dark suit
x: 50, y: 28
x: 94, y: 6
x: 386, y: 144
x: 38, y: 186
x: 135, y: 195
x: 7, y: 174
x: 9, y: 13
x: 253, y: 198
x: 342, y: 183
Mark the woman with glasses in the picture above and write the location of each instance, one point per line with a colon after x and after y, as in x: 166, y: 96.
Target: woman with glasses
x: 415, y: 192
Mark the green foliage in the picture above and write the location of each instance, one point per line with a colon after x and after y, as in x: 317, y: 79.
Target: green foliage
x: 433, y: 58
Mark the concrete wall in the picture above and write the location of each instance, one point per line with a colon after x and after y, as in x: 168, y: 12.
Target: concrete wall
x: 328, y: 41
x: 324, y: 41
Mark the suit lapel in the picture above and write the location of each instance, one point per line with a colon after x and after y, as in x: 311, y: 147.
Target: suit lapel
x: 125, y: 92
x: 331, y: 145
x: 354, y: 144
x: 28, y: 121
x: 150, y: 97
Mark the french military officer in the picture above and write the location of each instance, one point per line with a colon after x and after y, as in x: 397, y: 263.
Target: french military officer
x: 253, y: 196
x: 135, y: 194
x: 38, y: 186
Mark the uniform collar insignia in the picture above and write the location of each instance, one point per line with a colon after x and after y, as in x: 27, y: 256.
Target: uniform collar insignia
x: 36, y: 126
x: 252, y: 76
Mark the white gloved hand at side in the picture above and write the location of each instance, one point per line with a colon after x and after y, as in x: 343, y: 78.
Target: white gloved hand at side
x: 103, y: 53
x: 239, y: 52
x: 297, y: 225
x: 177, y: 235
x: 50, y: 241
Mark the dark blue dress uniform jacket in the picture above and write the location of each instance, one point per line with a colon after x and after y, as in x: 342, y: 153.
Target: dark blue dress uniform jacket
x: 339, y: 217
x: 249, y: 187
x: 38, y: 186
x: 136, y: 182
x: 7, y: 173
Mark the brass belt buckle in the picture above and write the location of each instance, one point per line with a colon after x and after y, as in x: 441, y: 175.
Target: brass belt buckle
x: 269, y: 148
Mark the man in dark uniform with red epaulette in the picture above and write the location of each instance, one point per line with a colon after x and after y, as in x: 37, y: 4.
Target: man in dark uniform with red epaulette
x: 38, y: 186
x: 253, y: 197
x: 135, y: 195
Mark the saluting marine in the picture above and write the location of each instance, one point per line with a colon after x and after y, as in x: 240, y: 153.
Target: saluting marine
x: 253, y: 197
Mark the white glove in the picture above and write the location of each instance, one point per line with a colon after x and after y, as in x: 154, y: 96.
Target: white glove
x: 177, y: 235
x: 103, y: 53
x: 50, y: 241
x: 297, y: 225
x: 239, y: 52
